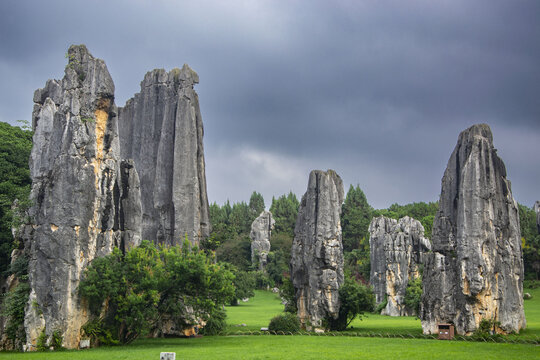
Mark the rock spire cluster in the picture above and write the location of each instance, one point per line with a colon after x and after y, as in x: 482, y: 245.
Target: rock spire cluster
x: 397, y: 248
x: 475, y: 271
x: 317, y: 250
x: 95, y: 188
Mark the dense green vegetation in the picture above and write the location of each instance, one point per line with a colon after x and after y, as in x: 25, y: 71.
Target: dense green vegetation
x: 149, y: 286
x: 530, y: 242
x: 15, y: 182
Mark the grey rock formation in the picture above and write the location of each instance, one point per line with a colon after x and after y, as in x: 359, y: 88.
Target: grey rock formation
x: 161, y: 130
x: 80, y: 191
x: 537, y: 211
x: 475, y: 271
x: 261, y: 230
x: 397, y: 250
x: 317, y: 251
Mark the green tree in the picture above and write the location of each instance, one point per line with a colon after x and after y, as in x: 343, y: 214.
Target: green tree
x: 256, y: 204
x: 413, y: 294
x: 15, y: 183
x: 355, y: 299
x: 285, y: 211
x: 355, y: 218
x: 148, y: 285
x: 530, y: 242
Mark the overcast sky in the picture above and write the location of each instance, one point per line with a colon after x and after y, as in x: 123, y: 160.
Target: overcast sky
x: 376, y: 90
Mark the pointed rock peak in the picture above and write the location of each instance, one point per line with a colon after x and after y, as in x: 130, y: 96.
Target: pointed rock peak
x: 90, y: 73
x: 188, y: 75
x: 477, y: 130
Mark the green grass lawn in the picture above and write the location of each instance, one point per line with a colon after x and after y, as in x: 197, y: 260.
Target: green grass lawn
x: 258, y: 311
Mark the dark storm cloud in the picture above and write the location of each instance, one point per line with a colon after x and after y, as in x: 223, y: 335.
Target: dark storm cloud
x: 378, y: 90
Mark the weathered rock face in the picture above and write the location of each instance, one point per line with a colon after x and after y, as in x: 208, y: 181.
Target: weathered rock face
x: 261, y: 230
x: 476, y: 269
x: 317, y: 251
x: 397, y: 250
x: 82, y: 194
x: 161, y: 130
x: 537, y: 210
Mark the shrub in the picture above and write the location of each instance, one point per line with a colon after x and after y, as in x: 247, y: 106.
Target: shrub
x: 287, y: 293
x: 355, y: 299
x: 286, y: 322
x: 13, y: 309
x: 56, y: 340
x: 413, y: 295
x: 42, y: 341
x: 216, y: 324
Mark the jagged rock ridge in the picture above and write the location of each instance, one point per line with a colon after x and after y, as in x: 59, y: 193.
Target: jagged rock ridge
x: 83, y: 195
x: 397, y: 248
x: 317, y: 251
x: 161, y: 130
x: 261, y: 231
x: 475, y: 271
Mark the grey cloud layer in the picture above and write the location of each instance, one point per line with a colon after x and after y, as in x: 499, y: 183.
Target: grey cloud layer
x: 377, y: 90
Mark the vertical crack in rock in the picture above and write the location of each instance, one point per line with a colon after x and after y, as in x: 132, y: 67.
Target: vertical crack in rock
x: 76, y: 177
x: 475, y: 271
x: 161, y: 130
x: 397, y: 248
x: 317, y: 251
x: 261, y: 230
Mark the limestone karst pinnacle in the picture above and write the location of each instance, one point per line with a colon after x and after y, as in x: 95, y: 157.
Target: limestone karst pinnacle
x: 317, y: 250
x: 261, y: 231
x: 161, y: 130
x: 397, y: 250
x: 475, y: 271
x: 95, y: 187
x: 84, y: 196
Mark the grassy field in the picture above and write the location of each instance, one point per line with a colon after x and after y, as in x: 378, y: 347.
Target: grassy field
x: 258, y: 311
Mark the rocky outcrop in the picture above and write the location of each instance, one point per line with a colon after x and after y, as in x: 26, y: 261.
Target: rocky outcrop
x: 475, y: 271
x: 397, y: 248
x: 317, y: 250
x: 81, y: 193
x: 261, y: 230
x: 537, y: 211
x: 161, y: 130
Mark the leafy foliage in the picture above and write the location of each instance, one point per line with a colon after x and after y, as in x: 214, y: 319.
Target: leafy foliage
x: 13, y: 309
x: 286, y: 322
x: 15, y: 182
x: 244, y: 285
x: 149, y: 284
x: 285, y: 211
x: 530, y: 242
x: 287, y: 293
x: 355, y: 299
x: 355, y: 218
x: 216, y: 324
x: 413, y: 294
x: 256, y: 204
